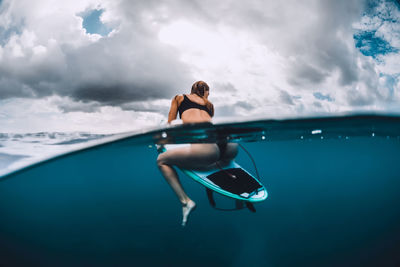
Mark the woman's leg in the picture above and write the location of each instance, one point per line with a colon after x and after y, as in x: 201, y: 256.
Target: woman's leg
x: 172, y: 178
x: 195, y: 156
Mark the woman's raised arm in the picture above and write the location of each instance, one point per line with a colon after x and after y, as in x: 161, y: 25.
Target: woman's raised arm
x: 173, y: 111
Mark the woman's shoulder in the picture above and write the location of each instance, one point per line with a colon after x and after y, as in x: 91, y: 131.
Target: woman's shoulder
x: 179, y: 98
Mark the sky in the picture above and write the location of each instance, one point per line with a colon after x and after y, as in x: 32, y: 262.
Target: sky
x: 108, y: 66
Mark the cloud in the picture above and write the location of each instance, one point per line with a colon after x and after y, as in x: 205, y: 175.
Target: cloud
x: 63, y: 114
x: 62, y: 58
x: 381, y: 44
x: 66, y: 105
x: 235, y: 109
x: 259, y: 57
x: 317, y: 104
x: 303, y: 73
x: 307, y: 46
x: 286, y: 98
x: 312, y: 35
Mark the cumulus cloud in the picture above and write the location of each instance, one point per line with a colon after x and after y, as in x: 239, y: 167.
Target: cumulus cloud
x: 286, y: 98
x: 62, y: 58
x: 259, y: 57
x: 56, y: 113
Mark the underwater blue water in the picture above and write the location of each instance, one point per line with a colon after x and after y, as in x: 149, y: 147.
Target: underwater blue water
x: 333, y: 187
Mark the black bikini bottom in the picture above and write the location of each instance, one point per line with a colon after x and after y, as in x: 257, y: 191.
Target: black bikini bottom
x: 222, y: 149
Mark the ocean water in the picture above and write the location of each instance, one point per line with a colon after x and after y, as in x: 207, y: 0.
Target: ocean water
x: 18, y: 150
x: 333, y: 187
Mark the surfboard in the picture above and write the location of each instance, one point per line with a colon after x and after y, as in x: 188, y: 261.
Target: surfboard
x: 230, y: 180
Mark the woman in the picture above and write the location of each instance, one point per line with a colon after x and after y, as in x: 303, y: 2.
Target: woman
x: 193, y: 108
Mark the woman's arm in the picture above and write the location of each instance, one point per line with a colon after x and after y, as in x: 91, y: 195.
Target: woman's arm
x: 173, y: 111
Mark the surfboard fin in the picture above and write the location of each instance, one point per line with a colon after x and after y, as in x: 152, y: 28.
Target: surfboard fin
x: 210, y: 197
x: 238, y: 203
x: 250, y: 206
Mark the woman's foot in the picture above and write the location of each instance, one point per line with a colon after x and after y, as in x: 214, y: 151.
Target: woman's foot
x: 186, y: 209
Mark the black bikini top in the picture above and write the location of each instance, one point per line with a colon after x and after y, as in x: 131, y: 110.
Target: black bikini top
x: 188, y: 104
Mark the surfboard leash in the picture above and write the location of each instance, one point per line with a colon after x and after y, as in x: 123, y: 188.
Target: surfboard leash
x: 252, y: 159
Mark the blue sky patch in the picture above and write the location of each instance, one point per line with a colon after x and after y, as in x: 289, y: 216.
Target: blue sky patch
x: 92, y: 24
x: 320, y: 96
x: 371, y: 45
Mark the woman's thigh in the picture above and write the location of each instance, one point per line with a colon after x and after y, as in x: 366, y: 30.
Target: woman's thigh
x: 195, y: 156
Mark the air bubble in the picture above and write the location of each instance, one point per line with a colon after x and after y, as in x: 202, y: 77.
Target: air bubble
x: 263, y: 137
x: 164, y: 135
x: 373, y: 134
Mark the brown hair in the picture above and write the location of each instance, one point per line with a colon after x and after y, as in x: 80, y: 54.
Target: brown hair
x: 199, y: 89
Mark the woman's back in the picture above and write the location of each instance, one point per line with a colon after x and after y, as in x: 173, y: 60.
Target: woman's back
x: 193, y: 109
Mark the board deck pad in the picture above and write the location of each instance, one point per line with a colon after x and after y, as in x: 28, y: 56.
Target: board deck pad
x: 243, y: 183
